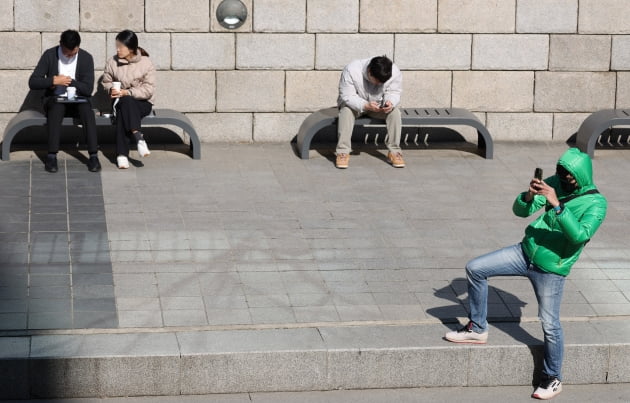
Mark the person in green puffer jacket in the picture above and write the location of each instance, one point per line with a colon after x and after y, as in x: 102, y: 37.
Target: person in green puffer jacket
x: 574, y: 210
x: 554, y: 241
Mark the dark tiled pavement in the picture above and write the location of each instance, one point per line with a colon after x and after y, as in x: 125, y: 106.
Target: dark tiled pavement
x: 55, y: 268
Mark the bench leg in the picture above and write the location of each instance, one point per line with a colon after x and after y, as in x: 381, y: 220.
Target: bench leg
x: 487, y: 146
x: 588, y: 146
x: 311, y: 126
x: 195, y: 146
x: 304, y: 147
x: 6, y: 150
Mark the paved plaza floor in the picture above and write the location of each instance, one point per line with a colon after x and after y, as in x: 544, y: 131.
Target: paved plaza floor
x: 252, y: 270
x: 250, y: 235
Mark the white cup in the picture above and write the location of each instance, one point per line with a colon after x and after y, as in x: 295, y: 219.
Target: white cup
x: 116, y: 85
x: 72, y: 92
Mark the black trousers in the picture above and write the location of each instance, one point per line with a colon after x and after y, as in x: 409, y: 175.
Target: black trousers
x: 129, y: 114
x: 55, y: 112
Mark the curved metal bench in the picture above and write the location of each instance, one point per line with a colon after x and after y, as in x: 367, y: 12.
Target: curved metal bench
x: 29, y: 118
x: 595, y: 124
x: 411, y: 117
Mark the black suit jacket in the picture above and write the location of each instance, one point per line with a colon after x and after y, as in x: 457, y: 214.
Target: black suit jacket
x: 48, y: 67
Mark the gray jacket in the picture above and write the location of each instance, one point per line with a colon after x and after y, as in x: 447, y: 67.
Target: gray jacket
x: 355, y: 90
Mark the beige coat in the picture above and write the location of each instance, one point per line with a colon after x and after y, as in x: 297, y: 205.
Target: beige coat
x: 136, y: 75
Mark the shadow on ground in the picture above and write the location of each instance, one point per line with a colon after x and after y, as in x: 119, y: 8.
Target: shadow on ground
x: 372, y: 141
x: 510, y: 325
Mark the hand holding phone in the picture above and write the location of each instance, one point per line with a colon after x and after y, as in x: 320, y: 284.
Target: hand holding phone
x: 535, y: 183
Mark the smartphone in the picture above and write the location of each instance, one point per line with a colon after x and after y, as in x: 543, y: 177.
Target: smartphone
x: 382, y: 105
x: 538, y: 173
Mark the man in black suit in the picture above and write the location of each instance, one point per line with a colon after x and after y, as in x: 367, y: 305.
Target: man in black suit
x: 62, y: 67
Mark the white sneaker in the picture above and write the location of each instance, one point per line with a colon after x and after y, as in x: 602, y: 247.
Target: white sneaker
x: 143, y: 149
x: 123, y: 162
x: 467, y: 335
x: 548, y: 388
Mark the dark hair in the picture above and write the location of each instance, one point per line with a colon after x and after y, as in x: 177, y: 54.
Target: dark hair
x: 380, y: 67
x: 130, y: 40
x: 70, y: 39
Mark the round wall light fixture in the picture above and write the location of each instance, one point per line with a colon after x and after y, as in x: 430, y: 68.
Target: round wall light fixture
x: 231, y: 14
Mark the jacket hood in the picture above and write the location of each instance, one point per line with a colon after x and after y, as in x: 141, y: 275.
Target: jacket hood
x: 579, y: 164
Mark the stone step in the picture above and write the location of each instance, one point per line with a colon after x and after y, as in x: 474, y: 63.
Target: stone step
x: 184, y: 361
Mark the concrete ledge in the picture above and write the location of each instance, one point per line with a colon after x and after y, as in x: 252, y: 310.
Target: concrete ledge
x: 319, y: 357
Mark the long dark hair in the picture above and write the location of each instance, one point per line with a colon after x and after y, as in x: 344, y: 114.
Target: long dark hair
x: 130, y: 40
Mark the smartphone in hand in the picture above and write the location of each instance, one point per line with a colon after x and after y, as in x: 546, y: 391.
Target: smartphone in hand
x: 538, y: 173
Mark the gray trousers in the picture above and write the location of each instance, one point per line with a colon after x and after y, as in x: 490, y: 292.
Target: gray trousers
x: 345, y: 125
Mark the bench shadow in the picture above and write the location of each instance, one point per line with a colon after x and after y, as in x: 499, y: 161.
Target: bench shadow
x: 370, y: 140
x: 41, y: 155
x: 329, y: 153
x: 508, y: 324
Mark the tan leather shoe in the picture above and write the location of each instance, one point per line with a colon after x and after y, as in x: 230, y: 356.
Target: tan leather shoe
x: 396, y: 160
x: 342, y: 161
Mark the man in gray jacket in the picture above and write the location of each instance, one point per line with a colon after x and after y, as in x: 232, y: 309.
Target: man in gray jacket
x: 370, y: 87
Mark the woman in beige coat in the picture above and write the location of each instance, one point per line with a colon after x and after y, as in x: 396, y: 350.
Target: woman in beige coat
x: 132, y: 68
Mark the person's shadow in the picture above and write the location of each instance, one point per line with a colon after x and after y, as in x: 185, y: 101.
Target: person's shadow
x: 506, y: 321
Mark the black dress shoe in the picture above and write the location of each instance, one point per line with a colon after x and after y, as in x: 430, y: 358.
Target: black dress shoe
x: 93, y: 164
x: 51, y: 163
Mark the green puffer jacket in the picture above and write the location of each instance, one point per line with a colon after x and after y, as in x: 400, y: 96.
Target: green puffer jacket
x: 553, y: 242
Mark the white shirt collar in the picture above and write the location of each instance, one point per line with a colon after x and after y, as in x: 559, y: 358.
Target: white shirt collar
x: 65, y: 60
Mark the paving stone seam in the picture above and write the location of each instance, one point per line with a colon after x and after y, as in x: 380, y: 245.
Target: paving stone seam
x: 270, y: 326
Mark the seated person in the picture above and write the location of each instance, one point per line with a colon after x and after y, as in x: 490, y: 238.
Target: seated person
x: 133, y: 99
x: 370, y: 87
x: 59, y: 68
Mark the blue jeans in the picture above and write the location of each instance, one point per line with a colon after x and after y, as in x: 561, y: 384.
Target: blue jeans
x: 548, y: 287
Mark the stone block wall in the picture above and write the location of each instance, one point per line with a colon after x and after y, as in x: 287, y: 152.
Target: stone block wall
x: 531, y: 69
